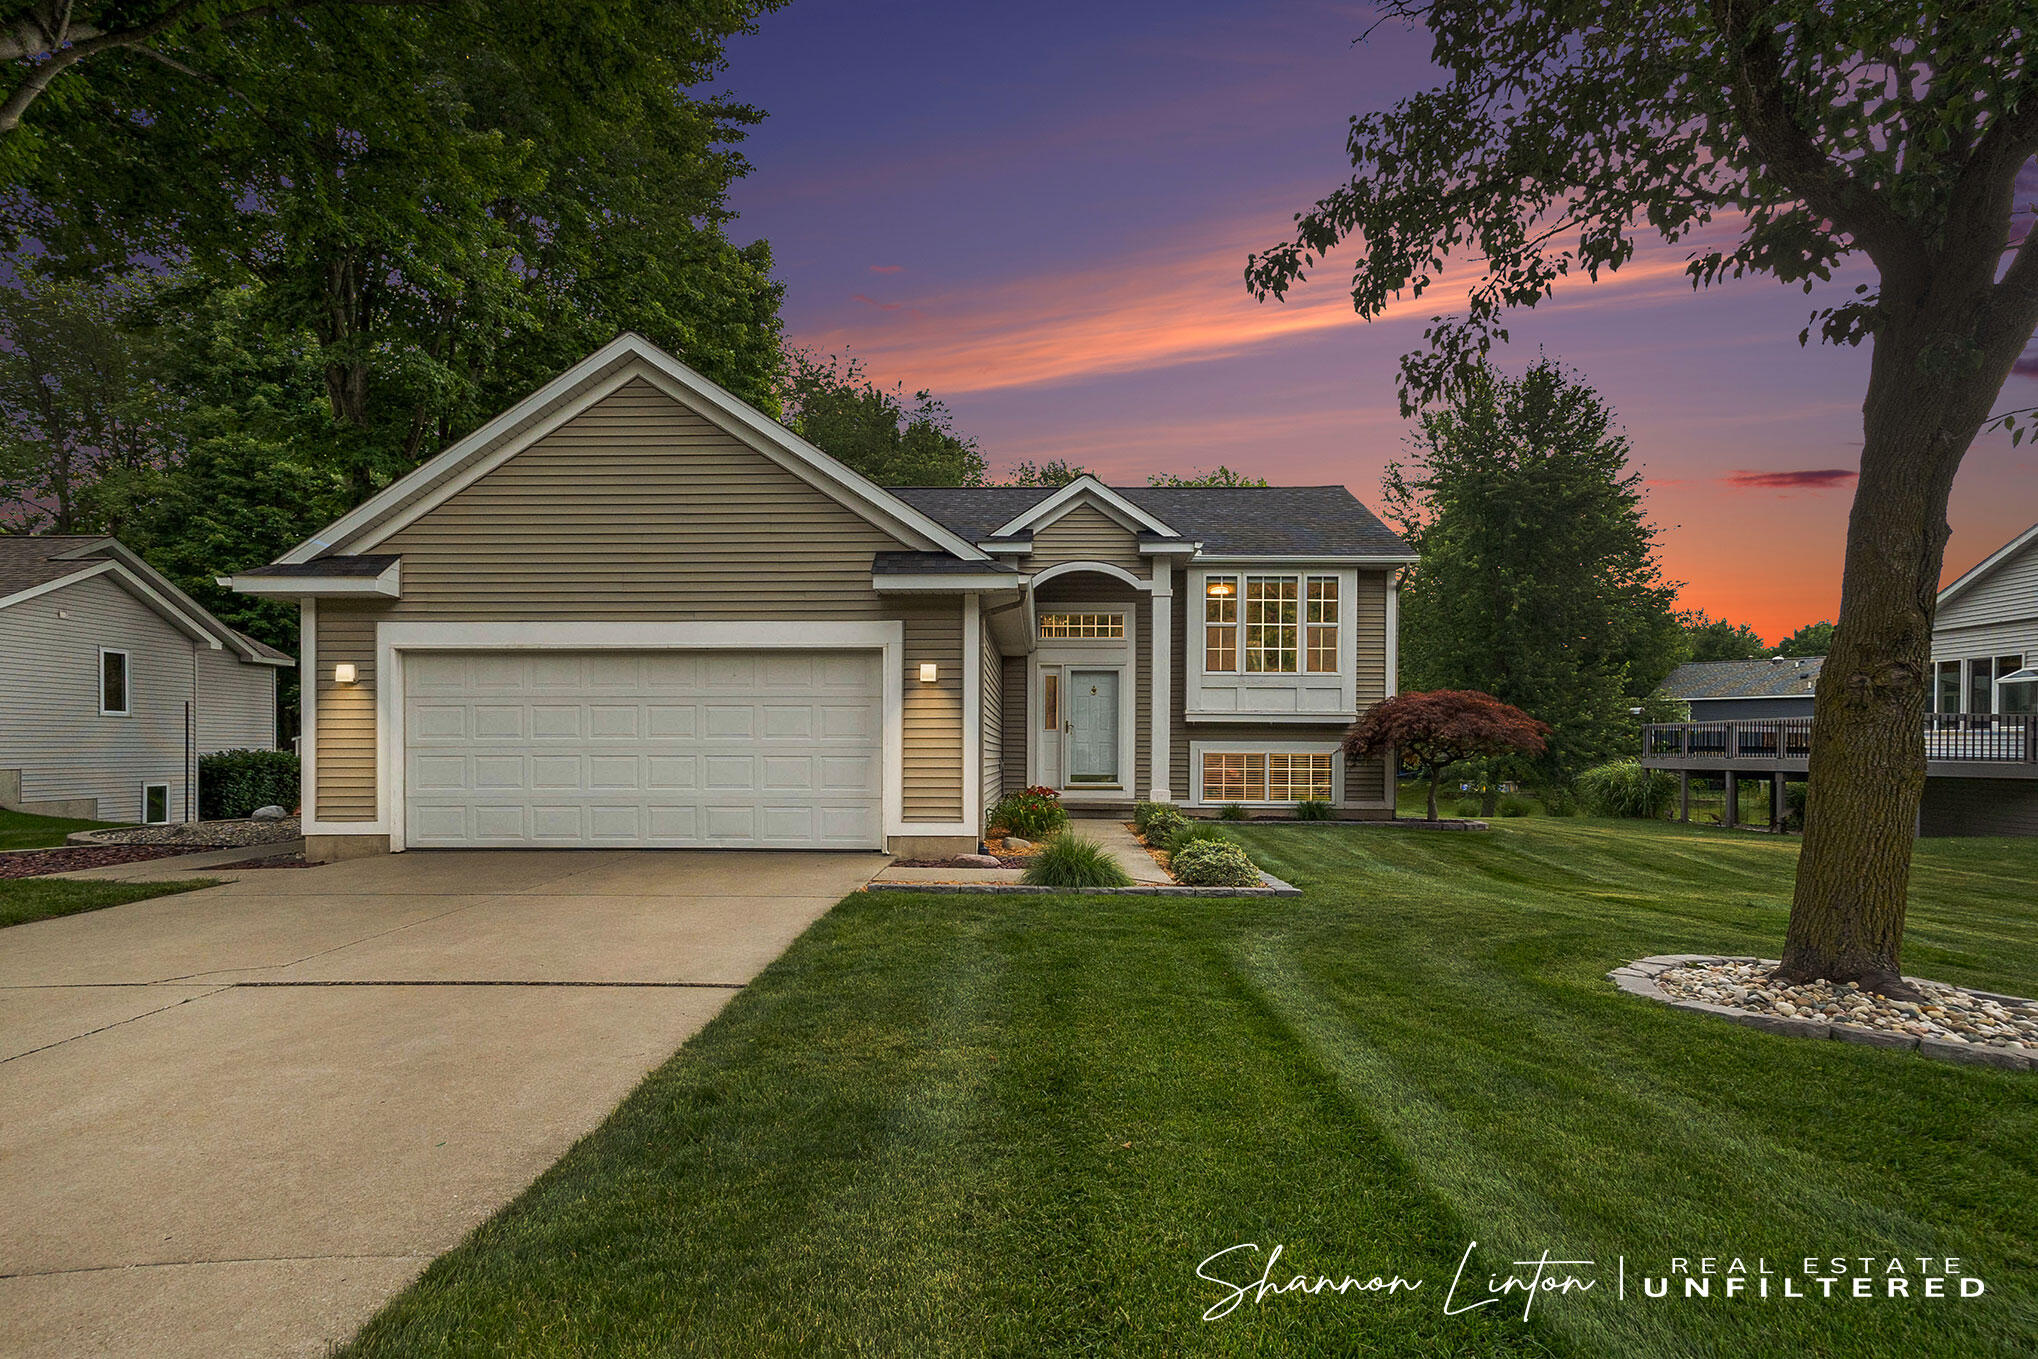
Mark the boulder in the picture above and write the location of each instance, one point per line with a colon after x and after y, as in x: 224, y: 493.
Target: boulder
x: 270, y: 813
x: 976, y: 861
x: 1014, y: 842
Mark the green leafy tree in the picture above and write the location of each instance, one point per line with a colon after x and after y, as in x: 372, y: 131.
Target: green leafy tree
x: 835, y: 406
x: 75, y: 408
x: 1056, y: 473
x: 1538, y: 582
x: 452, y: 202
x: 1811, y: 136
x: 1716, y: 639
x: 1813, y: 639
x: 1219, y: 475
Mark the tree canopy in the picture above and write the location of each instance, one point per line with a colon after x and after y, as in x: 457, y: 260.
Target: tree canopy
x: 1433, y: 731
x: 1219, y: 475
x: 1538, y: 581
x: 833, y: 404
x: 1058, y: 472
x: 1717, y: 639
x: 1813, y: 639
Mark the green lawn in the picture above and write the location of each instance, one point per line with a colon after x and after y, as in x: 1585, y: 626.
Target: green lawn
x: 26, y: 899
x: 1015, y: 1125
x: 18, y: 830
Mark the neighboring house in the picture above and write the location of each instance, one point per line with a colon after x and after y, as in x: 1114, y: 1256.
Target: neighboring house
x: 1985, y: 692
x: 1980, y: 733
x: 1778, y: 686
x: 635, y: 611
x: 113, y: 682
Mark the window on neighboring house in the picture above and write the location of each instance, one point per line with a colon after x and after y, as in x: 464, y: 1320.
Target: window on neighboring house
x: 155, y: 804
x: 1948, y: 687
x: 1050, y: 702
x: 113, y: 684
x: 1220, y: 624
x: 1266, y: 776
x: 1320, y: 636
x: 1980, y: 687
x: 1270, y: 624
x: 1082, y: 626
x: 2014, y: 700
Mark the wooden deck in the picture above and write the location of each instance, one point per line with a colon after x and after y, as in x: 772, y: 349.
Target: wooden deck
x: 1956, y: 746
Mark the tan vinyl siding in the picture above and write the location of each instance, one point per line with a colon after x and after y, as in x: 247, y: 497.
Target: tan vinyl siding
x: 236, y: 703
x: 933, y: 713
x: 640, y: 510
x: 1017, y: 714
x: 991, y: 713
x: 346, y: 713
x: 1086, y: 533
x: 50, y: 726
x: 1372, y: 638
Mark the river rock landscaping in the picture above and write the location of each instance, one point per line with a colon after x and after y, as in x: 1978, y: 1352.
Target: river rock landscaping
x: 194, y: 835
x: 1950, y: 1022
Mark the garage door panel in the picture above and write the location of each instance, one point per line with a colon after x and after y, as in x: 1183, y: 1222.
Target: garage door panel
x: 653, y: 748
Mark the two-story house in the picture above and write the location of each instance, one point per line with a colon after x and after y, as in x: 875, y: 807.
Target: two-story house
x: 633, y: 610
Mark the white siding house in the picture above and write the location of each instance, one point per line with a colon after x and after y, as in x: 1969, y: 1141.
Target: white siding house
x: 113, y: 682
x: 1984, y: 653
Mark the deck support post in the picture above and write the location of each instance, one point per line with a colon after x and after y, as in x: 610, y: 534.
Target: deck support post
x: 1776, y: 804
x: 1732, y: 816
x: 1684, y: 795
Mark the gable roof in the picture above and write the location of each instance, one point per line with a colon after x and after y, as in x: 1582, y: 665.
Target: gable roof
x: 1240, y: 521
x: 625, y: 359
x: 1987, y: 566
x: 1792, y: 677
x: 37, y: 564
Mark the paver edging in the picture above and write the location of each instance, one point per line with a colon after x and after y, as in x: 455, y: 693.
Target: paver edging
x: 1274, y: 887
x: 1638, y: 978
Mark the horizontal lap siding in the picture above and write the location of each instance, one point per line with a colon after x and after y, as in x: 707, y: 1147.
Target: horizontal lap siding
x: 640, y: 510
x: 1086, y: 533
x: 236, y: 704
x: 1014, y: 723
x: 50, y: 726
x: 991, y: 714
x: 2007, y: 595
x: 1371, y: 641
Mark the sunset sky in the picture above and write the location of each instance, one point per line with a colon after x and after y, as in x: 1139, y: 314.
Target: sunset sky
x: 1042, y: 213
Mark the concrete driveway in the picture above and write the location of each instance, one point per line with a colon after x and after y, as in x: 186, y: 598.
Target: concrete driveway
x: 236, y: 1121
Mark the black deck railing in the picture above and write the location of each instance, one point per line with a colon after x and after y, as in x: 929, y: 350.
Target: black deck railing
x: 1998, y: 739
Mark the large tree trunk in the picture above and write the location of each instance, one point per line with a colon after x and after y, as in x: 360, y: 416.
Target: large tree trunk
x: 1868, y: 752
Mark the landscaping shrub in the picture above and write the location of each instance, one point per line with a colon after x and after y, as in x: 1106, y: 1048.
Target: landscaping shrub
x: 1032, y: 813
x: 1314, y: 811
x: 1191, y: 831
x: 1794, y: 800
x: 1144, y: 812
x: 1231, y: 811
x: 232, y: 783
x: 1466, y: 808
x: 1625, y: 788
x: 1514, y: 805
x: 1558, y: 800
x: 1214, y: 863
x: 1162, y: 825
x: 1072, y: 861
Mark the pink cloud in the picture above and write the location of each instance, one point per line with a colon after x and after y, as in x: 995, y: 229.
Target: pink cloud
x: 1820, y: 479
x: 881, y: 306
x: 886, y: 268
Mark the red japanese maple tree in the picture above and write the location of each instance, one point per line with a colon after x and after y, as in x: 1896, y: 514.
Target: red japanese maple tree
x: 1435, y: 730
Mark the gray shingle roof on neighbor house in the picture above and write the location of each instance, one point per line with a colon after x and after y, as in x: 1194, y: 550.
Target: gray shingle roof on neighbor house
x: 1244, y: 521
x: 1780, y: 678
x: 29, y: 560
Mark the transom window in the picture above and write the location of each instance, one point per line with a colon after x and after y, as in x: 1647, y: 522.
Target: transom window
x: 1270, y: 625
x: 1266, y: 776
x: 1082, y: 626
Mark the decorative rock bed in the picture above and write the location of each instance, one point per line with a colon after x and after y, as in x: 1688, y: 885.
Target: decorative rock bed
x: 40, y: 863
x: 195, y: 835
x: 1951, y: 1023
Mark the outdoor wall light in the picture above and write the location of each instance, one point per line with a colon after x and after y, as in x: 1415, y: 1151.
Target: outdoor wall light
x: 343, y: 673
x: 1218, y: 588
x: 928, y: 672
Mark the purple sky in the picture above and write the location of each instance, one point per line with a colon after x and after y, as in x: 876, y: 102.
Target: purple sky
x: 1043, y: 212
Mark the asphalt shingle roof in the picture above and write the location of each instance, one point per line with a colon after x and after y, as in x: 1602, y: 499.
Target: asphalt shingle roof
x: 340, y: 564
x: 1246, y: 521
x: 29, y: 560
x: 1787, y: 678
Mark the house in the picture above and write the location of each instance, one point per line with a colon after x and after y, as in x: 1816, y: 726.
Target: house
x: 113, y: 682
x: 1776, y: 686
x: 634, y: 611
x: 1980, y: 733
x: 1985, y: 692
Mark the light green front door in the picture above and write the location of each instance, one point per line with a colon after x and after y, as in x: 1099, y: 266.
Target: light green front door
x: 1092, y: 704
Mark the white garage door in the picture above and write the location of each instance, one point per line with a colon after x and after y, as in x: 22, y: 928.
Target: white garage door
x: 651, y: 749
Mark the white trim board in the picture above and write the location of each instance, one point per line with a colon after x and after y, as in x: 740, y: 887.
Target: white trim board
x: 625, y: 359
x: 1094, y: 653
x: 1984, y: 568
x: 1198, y: 749
x: 388, y: 581
x: 1062, y: 501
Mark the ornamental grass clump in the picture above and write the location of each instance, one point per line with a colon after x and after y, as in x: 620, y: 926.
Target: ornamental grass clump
x: 1032, y: 813
x: 1314, y: 810
x: 1626, y: 788
x: 1073, y: 862
x: 1214, y: 863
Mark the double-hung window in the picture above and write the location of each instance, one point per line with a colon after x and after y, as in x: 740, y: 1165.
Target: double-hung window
x: 1270, y: 625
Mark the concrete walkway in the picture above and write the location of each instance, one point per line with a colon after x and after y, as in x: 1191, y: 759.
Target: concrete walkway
x: 239, y: 1119
x: 1124, y: 846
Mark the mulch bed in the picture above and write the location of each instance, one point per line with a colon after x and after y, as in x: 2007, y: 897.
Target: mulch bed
x: 36, y: 863
x: 1004, y: 861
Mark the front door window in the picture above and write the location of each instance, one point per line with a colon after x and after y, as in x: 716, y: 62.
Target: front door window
x: 1091, y: 704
